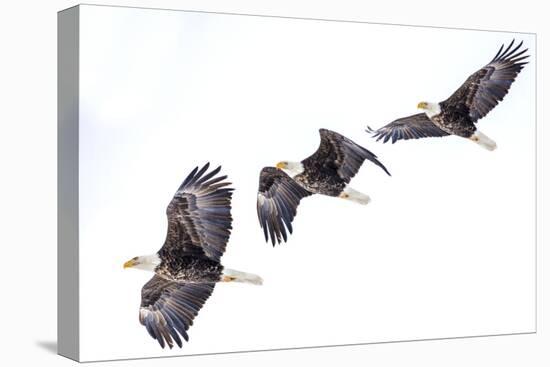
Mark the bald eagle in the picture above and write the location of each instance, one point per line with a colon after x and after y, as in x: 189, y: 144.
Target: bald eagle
x: 328, y: 171
x: 457, y: 115
x: 188, y: 265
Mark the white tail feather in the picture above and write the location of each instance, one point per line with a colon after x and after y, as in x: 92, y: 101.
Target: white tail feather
x: 483, y: 140
x: 230, y: 275
x: 354, y: 195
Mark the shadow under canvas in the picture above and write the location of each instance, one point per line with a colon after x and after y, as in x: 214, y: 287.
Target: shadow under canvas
x: 48, y: 345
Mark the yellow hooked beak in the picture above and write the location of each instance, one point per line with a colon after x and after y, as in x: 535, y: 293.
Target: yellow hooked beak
x: 130, y: 263
x: 281, y: 165
x: 422, y: 105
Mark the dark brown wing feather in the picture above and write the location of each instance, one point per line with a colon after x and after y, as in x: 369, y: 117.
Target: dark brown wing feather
x: 199, y: 216
x: 337, y: 150
x: 168, y: 308
x: 278, y: 199
x: 410, y: 127
x: 485, y: 88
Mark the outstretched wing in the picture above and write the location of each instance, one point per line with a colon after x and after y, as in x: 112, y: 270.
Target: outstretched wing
x: 485, y: 88
x: 278, y: 199
x: 343, y: 154
x: 168, y: 308
x: 199, y: 216
x: 410, y: 127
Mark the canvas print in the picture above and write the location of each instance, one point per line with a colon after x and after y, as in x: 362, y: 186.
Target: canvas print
x: 211, y: 153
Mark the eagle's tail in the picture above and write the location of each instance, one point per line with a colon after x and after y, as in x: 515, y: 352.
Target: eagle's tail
x: 479, y: 138
x: 230, y: 275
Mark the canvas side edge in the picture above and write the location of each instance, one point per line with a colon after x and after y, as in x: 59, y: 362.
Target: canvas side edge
x: 68, y: 330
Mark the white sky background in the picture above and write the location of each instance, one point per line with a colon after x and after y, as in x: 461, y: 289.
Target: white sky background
x: 446, y: 248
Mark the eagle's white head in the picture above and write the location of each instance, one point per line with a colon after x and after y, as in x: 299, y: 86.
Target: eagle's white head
x: 147, y: 262
x: 291, y: 168
x: 430, y: 109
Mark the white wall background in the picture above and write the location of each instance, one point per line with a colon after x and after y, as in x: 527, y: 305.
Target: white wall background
x: 28, y: 158
x: 447, y: 247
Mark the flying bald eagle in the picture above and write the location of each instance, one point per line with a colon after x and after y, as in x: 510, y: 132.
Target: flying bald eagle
x: 328, y: 171
x: 188, y: 265
x: 457, y: 115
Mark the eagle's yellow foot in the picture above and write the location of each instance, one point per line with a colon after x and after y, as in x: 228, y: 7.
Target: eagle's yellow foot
x: 228, y: 278
x: 344, y: 195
